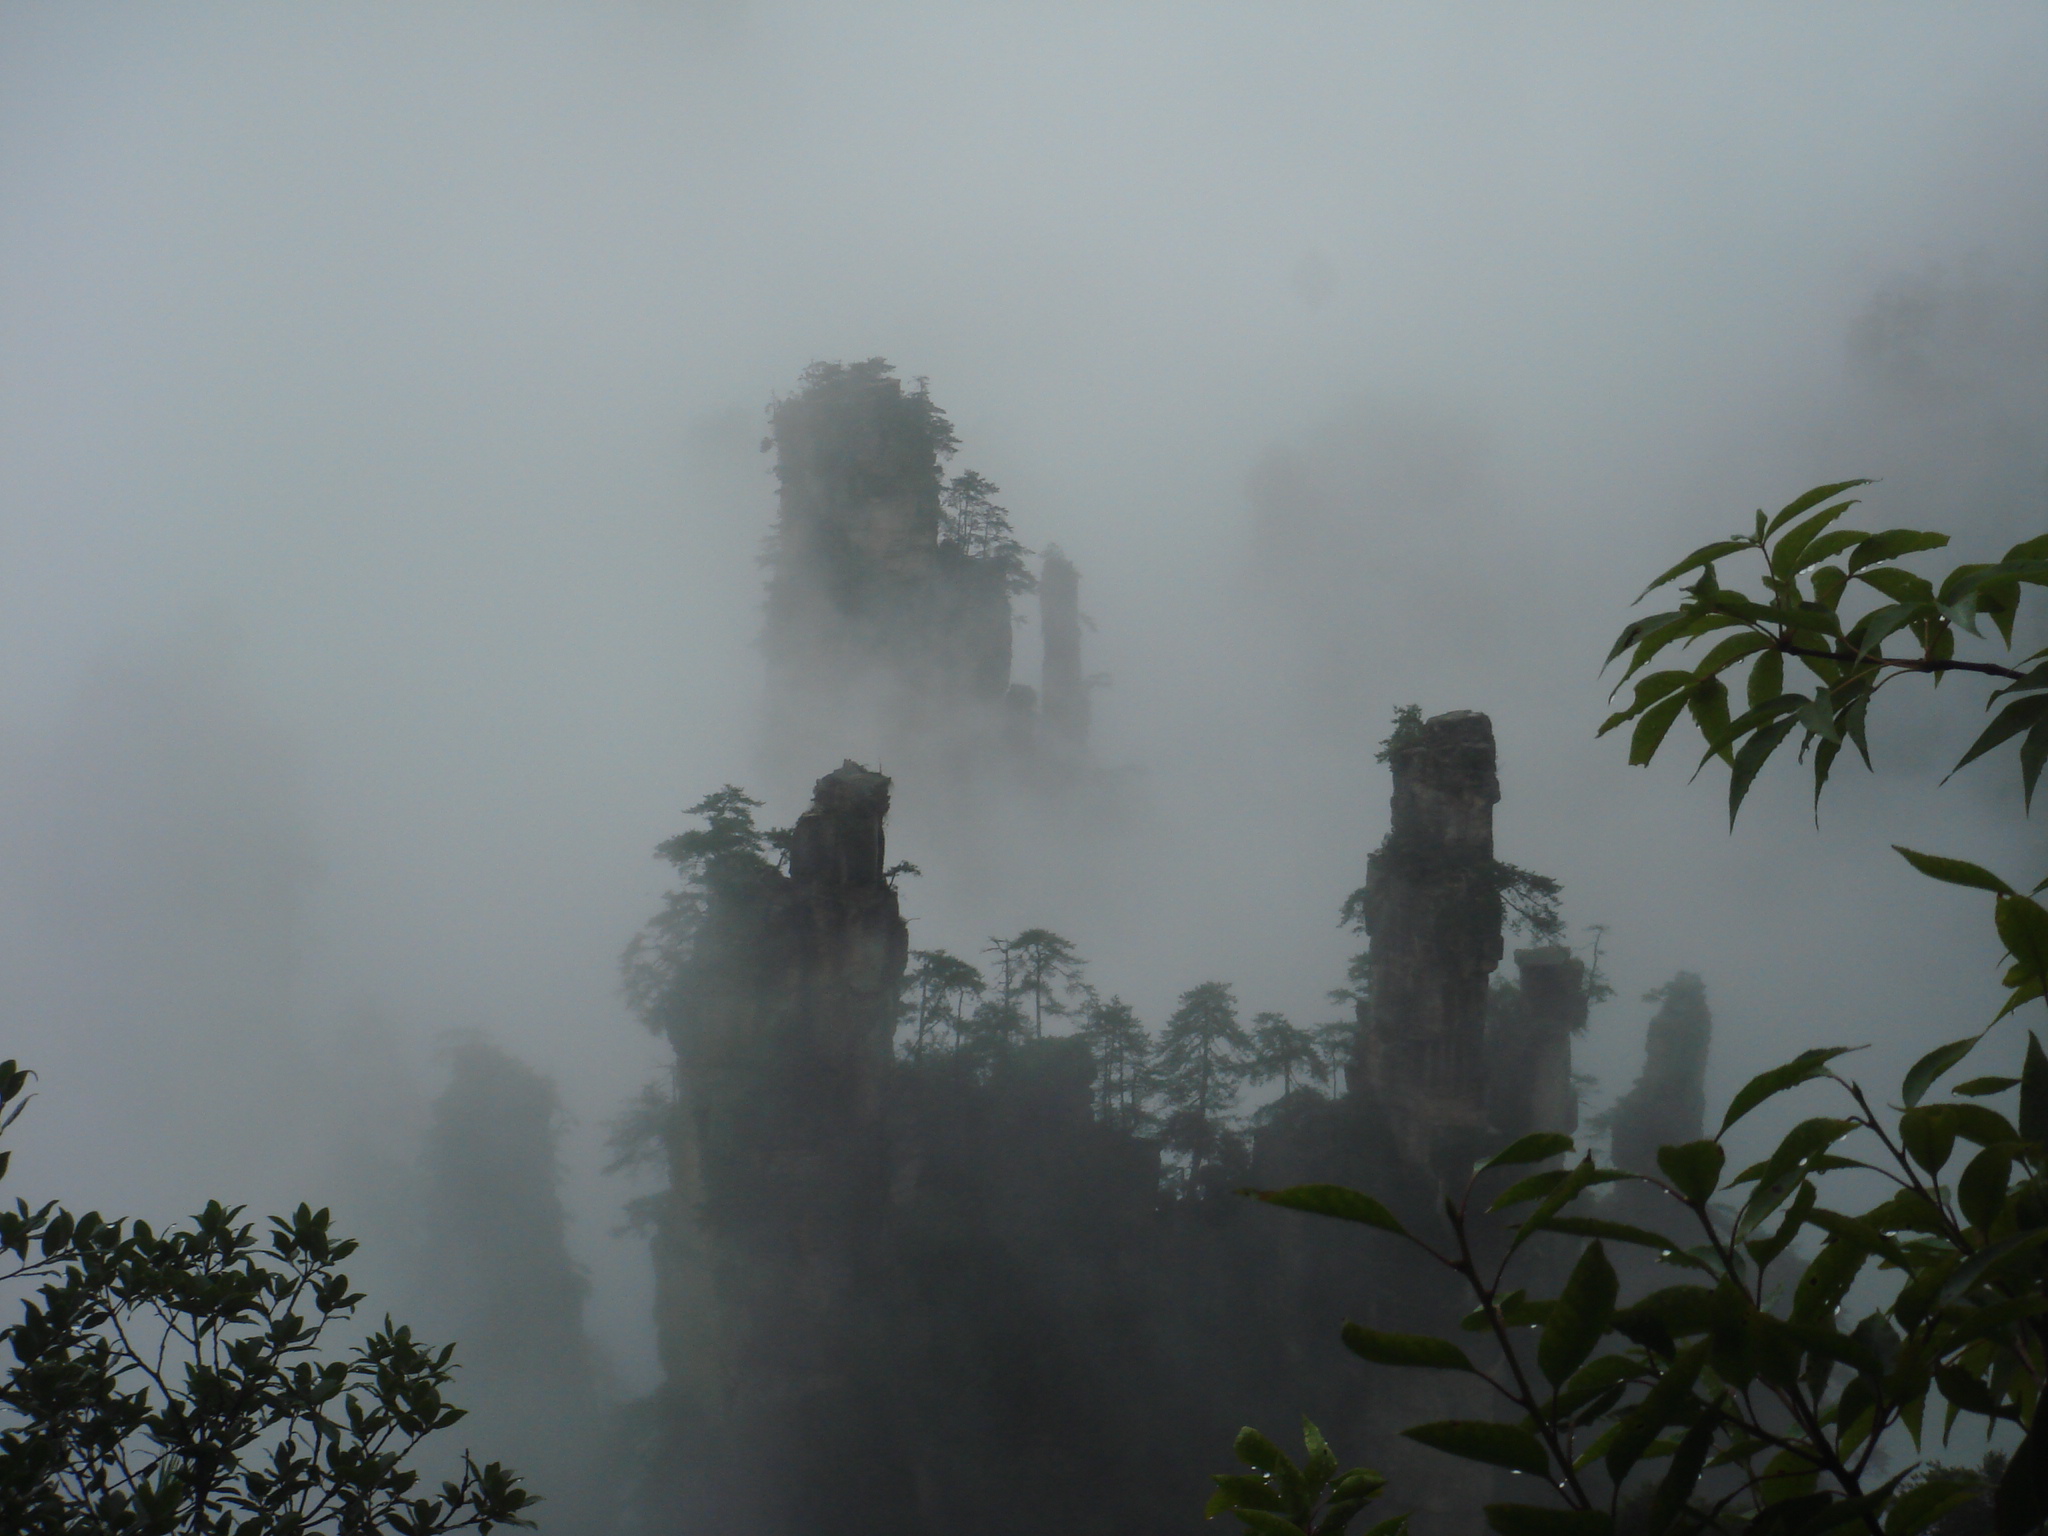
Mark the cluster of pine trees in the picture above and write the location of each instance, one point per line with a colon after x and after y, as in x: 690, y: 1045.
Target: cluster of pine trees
x: 1184, y: 1086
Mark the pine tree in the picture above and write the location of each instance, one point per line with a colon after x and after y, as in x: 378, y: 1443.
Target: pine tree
x: 936, y: 990
x: 1204, y: 1058
x: 970, y: 520
x: 1042, y: 975
x: 1123, y: 1061
x: 1286, y: 1051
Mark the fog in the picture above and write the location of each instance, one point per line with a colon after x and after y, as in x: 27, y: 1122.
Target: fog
x: 381, y: 494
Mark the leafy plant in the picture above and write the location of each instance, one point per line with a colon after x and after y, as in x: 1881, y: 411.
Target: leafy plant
x: 1812, y: 570
x: 1741, y: 1397
x: 182, y: 1382
x: 1278, y: 1498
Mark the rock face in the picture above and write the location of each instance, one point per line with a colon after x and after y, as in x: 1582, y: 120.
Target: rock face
x: 889, y: 626
x: 784, y: 1173
x: 1668, y: 1102
x: 1529, y: 1045
x: 1063, y: 690
x: 1433, y: 915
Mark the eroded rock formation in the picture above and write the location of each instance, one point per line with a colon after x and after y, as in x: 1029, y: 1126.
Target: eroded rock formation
x: 1668, y: 1103
x: 1063, y: 689
x: 1433, y: 915
x: 783, y: 1059
x: 1529, y: 1045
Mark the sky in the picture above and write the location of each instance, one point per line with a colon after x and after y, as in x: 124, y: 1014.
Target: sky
x: 381, y: 388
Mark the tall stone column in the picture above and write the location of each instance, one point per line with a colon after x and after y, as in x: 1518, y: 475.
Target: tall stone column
x: 1433, y: 915
x: 1063, y: 691
x: 1529, y: 1049
x: 783, y: 1092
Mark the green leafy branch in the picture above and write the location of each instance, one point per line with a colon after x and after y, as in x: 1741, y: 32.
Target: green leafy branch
x: 1812, y: 572
x: 1766, y: 1418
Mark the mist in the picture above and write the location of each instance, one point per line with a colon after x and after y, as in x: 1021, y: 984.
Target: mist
x: 381, y: 423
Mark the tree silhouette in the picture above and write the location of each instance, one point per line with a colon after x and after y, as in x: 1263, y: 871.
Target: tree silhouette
x: 1123, y: 1060
x: 1284, y: 1050
x: 1204, y: 1058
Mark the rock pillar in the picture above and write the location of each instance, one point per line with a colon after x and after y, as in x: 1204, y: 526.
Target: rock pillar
x: 783, y: 1091
x: 1433, y: 915
x: 1529, y: 1047
x: 1063, y: 692
x: 1668, y: 1103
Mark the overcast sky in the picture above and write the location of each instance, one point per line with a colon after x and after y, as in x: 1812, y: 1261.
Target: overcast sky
x: 380, y: 397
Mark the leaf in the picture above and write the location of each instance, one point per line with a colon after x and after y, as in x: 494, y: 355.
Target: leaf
x: 1955, y: 871
x: 1620, y: 1232
x: 2020, y: 715
x: 1539, y: 1520
x: 1267, y: 1523
x: 1984, y: 1087
x: 1255, y: 1450
x: 1660, y: 1407
x: 1708, y: 704
x: 1786, y: 558
x: 1989, y: 1258
x: 1652, y: 728
x: 2023, y: 926
x: 1706, y: 554
x: 1575, y: 1182
x: 1536, y: 1147
x: 1766, y: 679
x: 1694, y: 1168
x: 1750, y: 760
x: 1333, y: 1200
x: 1980, y: 1192
x: 1934, y: 1065
x: 1803, y: 1068
x: 1498, y: 1445
x: 1892, y: 543
x: 1812, y: 498
x: 2034, y: 1093
x: 1928, y: 1135
x: 1926, y: 1502
x: 1408, y: 1349
x: 1683, y: 1474
x: 1531, y: 1188
x: 1585, y: 1307
x: 2021, y: 1502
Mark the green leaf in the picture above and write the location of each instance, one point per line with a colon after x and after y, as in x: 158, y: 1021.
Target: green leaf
x: 1575, y: 1182
x: 1660, y: 1407
x: 1536, y: 1147
x: 2021, y: 1502
x: 1267, y: 1523
x: 1585, y: 1307
x: 1926, y: 1502
x: 1255, y: 1450
x: 1935, y: 1065
x: 1333, y: 1200
x: 1538, y: 1520
x: 1954, y: 871
x: 1410, y: 1349
x: 1766, y: 679
x: 2019, y: 715
x: 1652, y: 728
x: 1892, y: 543
x: 1803, y: 1068
x: 1498, y: 1445
x: 1750, y: 760
x: 2023, y: 926
x: 1928, y: 1135
x: 1694, y: 1168
x: 1708, y: 704
x: 1683, y: 1474
x: 1827, y: 1280
x: 1706, y: 554
x: 2034, y: 1093
x: 1826, y: 547
x: 1533, y: 1187
x: 1984, y: 1087
x: 1810, y: 499
x: 1788, y: 556
x: 1980, y: 1192
x: 1620, y: 1232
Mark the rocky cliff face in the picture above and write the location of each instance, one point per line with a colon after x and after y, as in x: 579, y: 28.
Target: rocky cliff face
x: 1668, y: 1103
x: 1433, y: 915
x: 1529, y: 1045
x: 782, y: 1174
x: 1063, y: 689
